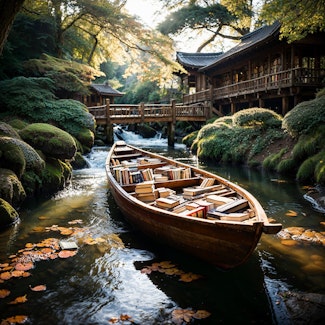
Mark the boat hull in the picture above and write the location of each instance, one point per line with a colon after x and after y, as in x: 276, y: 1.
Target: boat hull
x: 223, y: 244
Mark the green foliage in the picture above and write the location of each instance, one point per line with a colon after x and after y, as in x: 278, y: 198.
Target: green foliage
x: 194, y: 16
x: 297, y: 18
x: 17, y: 124
x: 69, y: 77
x: 39, y: 105
x: 271, y: 162
x: 225, y: 119
x: 188, y: 139
x: 309, y: 144
x: 320, y: 169
x: 287, y: 166
x: 305, y: 117
x: 257, y: 117
x: 306, y: 171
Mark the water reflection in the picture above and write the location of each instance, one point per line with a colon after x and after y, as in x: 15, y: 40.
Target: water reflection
x: 104, y: 280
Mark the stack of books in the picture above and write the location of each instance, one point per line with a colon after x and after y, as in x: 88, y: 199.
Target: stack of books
x: 145, y: 191
x: 165, y: 192
x: 166, y: 203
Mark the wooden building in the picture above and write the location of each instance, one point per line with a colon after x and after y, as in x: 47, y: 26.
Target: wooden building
x: 261, y: 71
x: 100, y: 93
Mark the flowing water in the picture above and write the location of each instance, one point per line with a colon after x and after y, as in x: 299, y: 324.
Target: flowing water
x: 105, y: 282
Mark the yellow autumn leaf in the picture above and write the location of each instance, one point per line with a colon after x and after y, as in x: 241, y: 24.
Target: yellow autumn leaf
x: 291, y: 213
x: 4, y: 293
x: 18, y: 319
x: 18, y: 300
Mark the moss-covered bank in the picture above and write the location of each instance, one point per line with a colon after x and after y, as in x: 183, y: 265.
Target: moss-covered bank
x: 290, y: 145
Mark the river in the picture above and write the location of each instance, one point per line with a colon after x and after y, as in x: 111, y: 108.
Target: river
x: 107, y: 281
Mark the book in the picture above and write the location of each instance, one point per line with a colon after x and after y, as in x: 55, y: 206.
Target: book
x: 206, y: 204
x: 229, y: 216
x: 198, y: 212
x: 233, y: 206
x: 164, y: 202
x: 218, y: 200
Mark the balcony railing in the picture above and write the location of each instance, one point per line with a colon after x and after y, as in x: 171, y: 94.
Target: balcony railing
x: 289, y: 78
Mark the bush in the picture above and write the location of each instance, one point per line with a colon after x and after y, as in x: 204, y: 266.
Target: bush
x: 189, y: 139
x: 257, y: 117
x: 305, y: 117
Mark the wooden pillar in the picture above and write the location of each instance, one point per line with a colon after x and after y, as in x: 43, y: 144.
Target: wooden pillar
x: 285, y: 105
x: 109, y: 126
x: 141, y: 109
x: 171, y: 125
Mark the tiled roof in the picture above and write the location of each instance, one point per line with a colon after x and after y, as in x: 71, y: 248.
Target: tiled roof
x: 106, y: 89
x: 248, y: 42
x: 196, y: 60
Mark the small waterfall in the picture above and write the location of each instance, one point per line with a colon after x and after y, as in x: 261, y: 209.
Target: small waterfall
x: 139, y: 141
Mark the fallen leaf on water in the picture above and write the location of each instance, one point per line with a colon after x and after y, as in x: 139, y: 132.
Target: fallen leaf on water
x: 19, y: 319
x: 189, y: 277
x: 17, y: 274
x: 40, y: 287
x: 18, y: 300
x: 182, y: 315
x: 125, y: 317
x: 67, y: 253
x: 4, y: 293
x: 291, y: 213
x: 200, y: 314
x: 5, y: 275
x: 24, y: 266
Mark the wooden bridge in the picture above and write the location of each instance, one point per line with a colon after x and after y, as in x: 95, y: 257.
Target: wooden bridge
x: 110, y: 114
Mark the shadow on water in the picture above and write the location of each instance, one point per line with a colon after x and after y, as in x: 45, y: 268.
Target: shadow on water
x: 104, y: 279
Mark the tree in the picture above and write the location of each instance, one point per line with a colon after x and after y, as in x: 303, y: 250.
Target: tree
x: 297, y: 17
x: 233, y: 18
x: 227, y: 19
x: 8, y: 12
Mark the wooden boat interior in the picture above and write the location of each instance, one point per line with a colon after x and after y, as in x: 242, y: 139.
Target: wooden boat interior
x: 179, y: 188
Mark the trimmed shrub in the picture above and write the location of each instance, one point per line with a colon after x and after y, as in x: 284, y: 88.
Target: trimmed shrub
x: 305, y: 117
x: 257, y: 117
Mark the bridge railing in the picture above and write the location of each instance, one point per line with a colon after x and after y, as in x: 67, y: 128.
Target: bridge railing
x: 148, y: 110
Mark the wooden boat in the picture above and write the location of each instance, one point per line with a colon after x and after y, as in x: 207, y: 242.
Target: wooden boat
x: 185, y: 207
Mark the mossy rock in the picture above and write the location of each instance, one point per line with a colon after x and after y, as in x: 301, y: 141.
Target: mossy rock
x: 18, y: 124
x: 86, y: 138
x: 11, y: 155
x: 52, y: 141
x: 79, y: 162
x: 33, y: 160
x: 7, y: 130
x: 11, y: 189
x: 8, y: 215
x: 55, y: 176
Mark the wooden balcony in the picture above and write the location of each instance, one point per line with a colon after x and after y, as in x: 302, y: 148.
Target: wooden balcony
x: 298, y: 77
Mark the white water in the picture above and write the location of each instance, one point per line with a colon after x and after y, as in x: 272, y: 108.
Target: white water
x: 139, y: 141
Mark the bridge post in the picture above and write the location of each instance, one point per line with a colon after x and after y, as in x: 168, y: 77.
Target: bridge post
x: 109, y: 125
x: 171, y: 125
x: 141, y: 109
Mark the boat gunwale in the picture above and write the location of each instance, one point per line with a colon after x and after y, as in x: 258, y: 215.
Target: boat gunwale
x: 269, y: 228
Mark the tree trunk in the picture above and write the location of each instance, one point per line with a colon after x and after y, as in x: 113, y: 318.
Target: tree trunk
x: 8, y: 12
